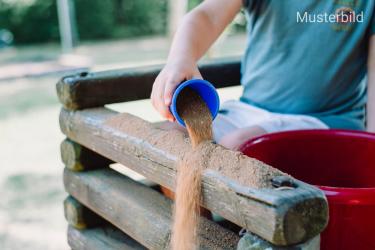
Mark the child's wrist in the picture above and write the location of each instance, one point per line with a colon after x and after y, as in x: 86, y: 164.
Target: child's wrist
x: 181, y: 56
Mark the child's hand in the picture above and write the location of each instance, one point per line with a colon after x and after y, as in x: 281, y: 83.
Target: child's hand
x: 167, y: 81
x: 196, y: 33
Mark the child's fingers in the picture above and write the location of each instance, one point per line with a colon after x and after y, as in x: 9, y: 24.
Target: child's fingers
x: 164, y: 110
x: 163, y: 89
x: 154, y: 94
x: 170, y: 87
x: 157, y: 99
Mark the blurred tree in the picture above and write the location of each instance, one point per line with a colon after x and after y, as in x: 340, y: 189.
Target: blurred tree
x: 143, y: 17
x: 119, y: 11
x: 36, y: 21
x: 30, y: 21
x: 95, y: 18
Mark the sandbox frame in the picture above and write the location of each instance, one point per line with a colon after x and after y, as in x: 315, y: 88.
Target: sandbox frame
x: 102, y: 202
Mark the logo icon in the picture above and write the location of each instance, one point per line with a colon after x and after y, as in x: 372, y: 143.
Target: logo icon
x: 345, y: 15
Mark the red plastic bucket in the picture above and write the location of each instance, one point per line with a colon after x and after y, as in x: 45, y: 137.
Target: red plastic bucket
x: 342, y: 164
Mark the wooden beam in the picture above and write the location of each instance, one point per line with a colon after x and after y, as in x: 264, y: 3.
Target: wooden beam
x: 101, y: 238
x: 252, y: 242
x: 79, y: 216
x: 142, y: 213
x: 87, y: 90
x: 79, y: 158
x: 281, y: 215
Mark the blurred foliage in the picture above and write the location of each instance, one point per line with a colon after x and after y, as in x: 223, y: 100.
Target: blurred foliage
x: 141, y: 17
x: 30, y: 21
x: 95, y: 18
x: 36, y: 21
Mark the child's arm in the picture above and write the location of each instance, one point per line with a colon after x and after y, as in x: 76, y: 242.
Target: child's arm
x: 197, y: 32
x: 371, y: 87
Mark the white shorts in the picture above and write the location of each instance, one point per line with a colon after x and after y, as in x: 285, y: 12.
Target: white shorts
x: 235, y: 114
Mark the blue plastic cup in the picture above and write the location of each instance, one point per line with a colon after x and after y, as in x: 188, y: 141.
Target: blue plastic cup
x: 206, y: 91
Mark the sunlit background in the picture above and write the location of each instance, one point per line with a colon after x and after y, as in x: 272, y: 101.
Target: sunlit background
x: 41, y: 41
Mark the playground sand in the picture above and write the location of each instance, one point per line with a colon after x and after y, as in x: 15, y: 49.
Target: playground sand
x: 175, y: 145
x: 198, y: 120
x: 194, y: 156
x: 196, y: 115
x: 212, y: 238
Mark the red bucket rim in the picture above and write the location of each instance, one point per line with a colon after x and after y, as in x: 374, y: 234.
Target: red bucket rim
x: 347, y: 194
x: 329, y: 132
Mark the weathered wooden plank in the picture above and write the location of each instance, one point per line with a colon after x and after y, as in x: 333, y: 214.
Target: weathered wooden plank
x: 252, y: 242
x: 79, y: 158
x: 142, y: 213
x: 86, y: 90
x: 79, y: 216
x: 283, y: 216
x: 101, y: 238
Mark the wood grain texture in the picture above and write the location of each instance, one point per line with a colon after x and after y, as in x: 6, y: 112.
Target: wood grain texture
x: 283, y: 216
x: 86, y: 90
x: 79, y: 158
x: 142, y: 213
x: 101, y: 238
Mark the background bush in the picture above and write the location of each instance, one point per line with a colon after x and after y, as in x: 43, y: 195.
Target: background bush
x: 36, y: 21
x: 30, y: 21
x: 97, y: 19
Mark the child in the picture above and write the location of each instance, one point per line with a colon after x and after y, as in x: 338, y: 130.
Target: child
x: 308, y: 65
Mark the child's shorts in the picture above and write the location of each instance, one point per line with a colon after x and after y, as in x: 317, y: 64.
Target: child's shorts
x: 235, y: 114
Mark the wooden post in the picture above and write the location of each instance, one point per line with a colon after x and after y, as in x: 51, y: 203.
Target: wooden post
x: 66, y: 24
x: 87, y: 90
x: 79, y: 216
x: 252, y: 242
x: 281, y: 216
x: 101, y: 238
x: 79, y: 158
x: 141, y: 212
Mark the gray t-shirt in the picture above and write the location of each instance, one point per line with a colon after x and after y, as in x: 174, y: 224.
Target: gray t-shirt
x: 309, y: 57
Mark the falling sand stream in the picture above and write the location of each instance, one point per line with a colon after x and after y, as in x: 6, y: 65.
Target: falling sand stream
x: 197, y: 117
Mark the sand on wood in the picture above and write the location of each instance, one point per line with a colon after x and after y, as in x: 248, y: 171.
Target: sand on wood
x: 194, y: 159
x: 175, y: 145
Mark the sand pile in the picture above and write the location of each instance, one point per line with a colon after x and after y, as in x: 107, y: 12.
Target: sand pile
x: 149, y: 141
